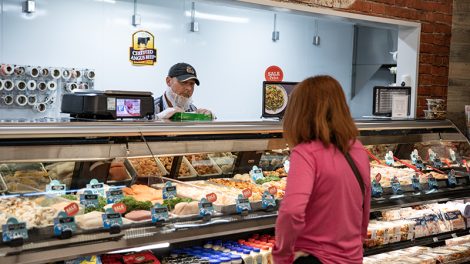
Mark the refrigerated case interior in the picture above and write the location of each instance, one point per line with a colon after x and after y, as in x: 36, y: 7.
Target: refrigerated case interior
x: 216, y: 159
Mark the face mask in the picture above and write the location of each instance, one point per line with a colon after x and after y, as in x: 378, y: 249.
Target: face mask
x: 178, y: 100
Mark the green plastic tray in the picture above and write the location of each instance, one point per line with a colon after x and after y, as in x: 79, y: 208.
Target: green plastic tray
x: 191, y: 117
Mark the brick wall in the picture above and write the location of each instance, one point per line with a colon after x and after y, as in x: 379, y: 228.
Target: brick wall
x: 436, y: 19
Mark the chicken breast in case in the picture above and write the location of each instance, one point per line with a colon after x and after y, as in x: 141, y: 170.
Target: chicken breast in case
x: 139, y: 215
x: 94, y: 220
x: 185, y: 208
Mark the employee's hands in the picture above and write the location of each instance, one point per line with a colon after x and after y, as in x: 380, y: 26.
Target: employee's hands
x: 205, y: 112
x: 169, y: 112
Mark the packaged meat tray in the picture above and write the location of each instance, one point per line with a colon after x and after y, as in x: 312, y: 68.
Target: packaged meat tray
x: 24, y: 177
x: 185, y: 171
x: 203, y: 165
x: 147, y: 167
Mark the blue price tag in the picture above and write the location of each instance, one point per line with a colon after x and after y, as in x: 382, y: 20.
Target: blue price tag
x: 111, y: 218
x: 377, y: 189
x: 437, y: 163
x: 267, y: 200
x: 159, y: 213
x: 55, y: 188
x: 396, y: 187
x: 452, y: 155
x: 243, y: 204
x: 432, y: 183
x: 286, y: 166
x: 452, y: 215
x: 256, y: 173
x: 432, y: 155
x: 205, y: 207
x: 89, y: 199
x: 96, y: 187
x: 169, y: 191
x: 414, y: 156
x: 64, y: 223
x: 14, y: 230
x: 451, y: 180
x: 415, y: 183
x: 389, y: 158
x: 420, y: 165
x: 114, y: 196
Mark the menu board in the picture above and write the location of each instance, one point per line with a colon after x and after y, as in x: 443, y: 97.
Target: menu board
x: 275, y: 98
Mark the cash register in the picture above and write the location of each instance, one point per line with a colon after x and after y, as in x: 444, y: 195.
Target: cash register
x: 93, y: 104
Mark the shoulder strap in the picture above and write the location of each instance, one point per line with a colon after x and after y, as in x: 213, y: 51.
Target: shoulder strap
x: 358, y: 176
x: 159, y: 103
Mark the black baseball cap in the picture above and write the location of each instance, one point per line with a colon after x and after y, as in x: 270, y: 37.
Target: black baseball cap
x: 183, y: 72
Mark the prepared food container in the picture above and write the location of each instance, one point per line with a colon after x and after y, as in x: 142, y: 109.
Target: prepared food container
x: 185, y: 171
x: 24, y: 177
x: 119, y: 173
x: 147, y: 167
x: 203, y: 165
x: 61, y: 171
x: 225, y: 161
x: 271, y: 161
x: 430, y: 114
x: 3, y: 185
x: 436, y: 104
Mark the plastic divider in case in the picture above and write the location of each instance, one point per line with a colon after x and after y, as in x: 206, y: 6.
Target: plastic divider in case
x: 226, y: 163
x: 199, y: 165
x: 19, y: 177
x: 192, y: 171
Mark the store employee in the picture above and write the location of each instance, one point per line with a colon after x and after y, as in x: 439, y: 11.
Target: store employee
x: 177, y: 97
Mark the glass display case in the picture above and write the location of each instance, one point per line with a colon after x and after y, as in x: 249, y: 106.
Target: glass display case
x: 229, y: 178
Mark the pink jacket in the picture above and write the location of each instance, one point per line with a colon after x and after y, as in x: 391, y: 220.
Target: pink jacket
x: 321, y: 212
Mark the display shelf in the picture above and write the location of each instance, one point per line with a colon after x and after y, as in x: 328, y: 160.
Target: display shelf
x: 422, y: 241
x: 92, y: 141
x: 410, y: 199
x: 55, y: 250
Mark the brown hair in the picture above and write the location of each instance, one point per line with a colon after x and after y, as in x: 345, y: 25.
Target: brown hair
x: 317, y: 110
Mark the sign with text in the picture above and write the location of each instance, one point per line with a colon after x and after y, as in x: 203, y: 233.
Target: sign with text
x: 143, y: 52
x: 274, y: 74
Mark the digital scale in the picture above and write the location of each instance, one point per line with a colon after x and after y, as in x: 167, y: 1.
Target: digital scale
x: 108, y: 104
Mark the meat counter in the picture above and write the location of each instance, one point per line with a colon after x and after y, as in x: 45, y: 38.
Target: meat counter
x: 201, y: 159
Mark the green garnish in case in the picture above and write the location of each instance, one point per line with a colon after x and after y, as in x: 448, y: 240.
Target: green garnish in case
x: 191, y: 117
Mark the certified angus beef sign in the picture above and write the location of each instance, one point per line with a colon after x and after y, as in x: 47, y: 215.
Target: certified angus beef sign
x: 143, y: 50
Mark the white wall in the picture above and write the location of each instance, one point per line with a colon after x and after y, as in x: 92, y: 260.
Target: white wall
x: 230, y: 52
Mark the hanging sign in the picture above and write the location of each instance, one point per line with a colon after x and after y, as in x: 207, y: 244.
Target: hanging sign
x: 274, y: 74
x: 143, y: 52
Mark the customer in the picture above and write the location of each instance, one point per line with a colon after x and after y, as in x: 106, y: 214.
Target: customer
x: 325, y: 212
x: 177, y: 97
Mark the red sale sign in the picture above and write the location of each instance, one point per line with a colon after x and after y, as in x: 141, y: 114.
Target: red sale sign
x: 211, y: 197
x: 119, y: 208
x: 247, y: 193
x: 71, y: 209
x: 274, y: 74
x: 272, y: 190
